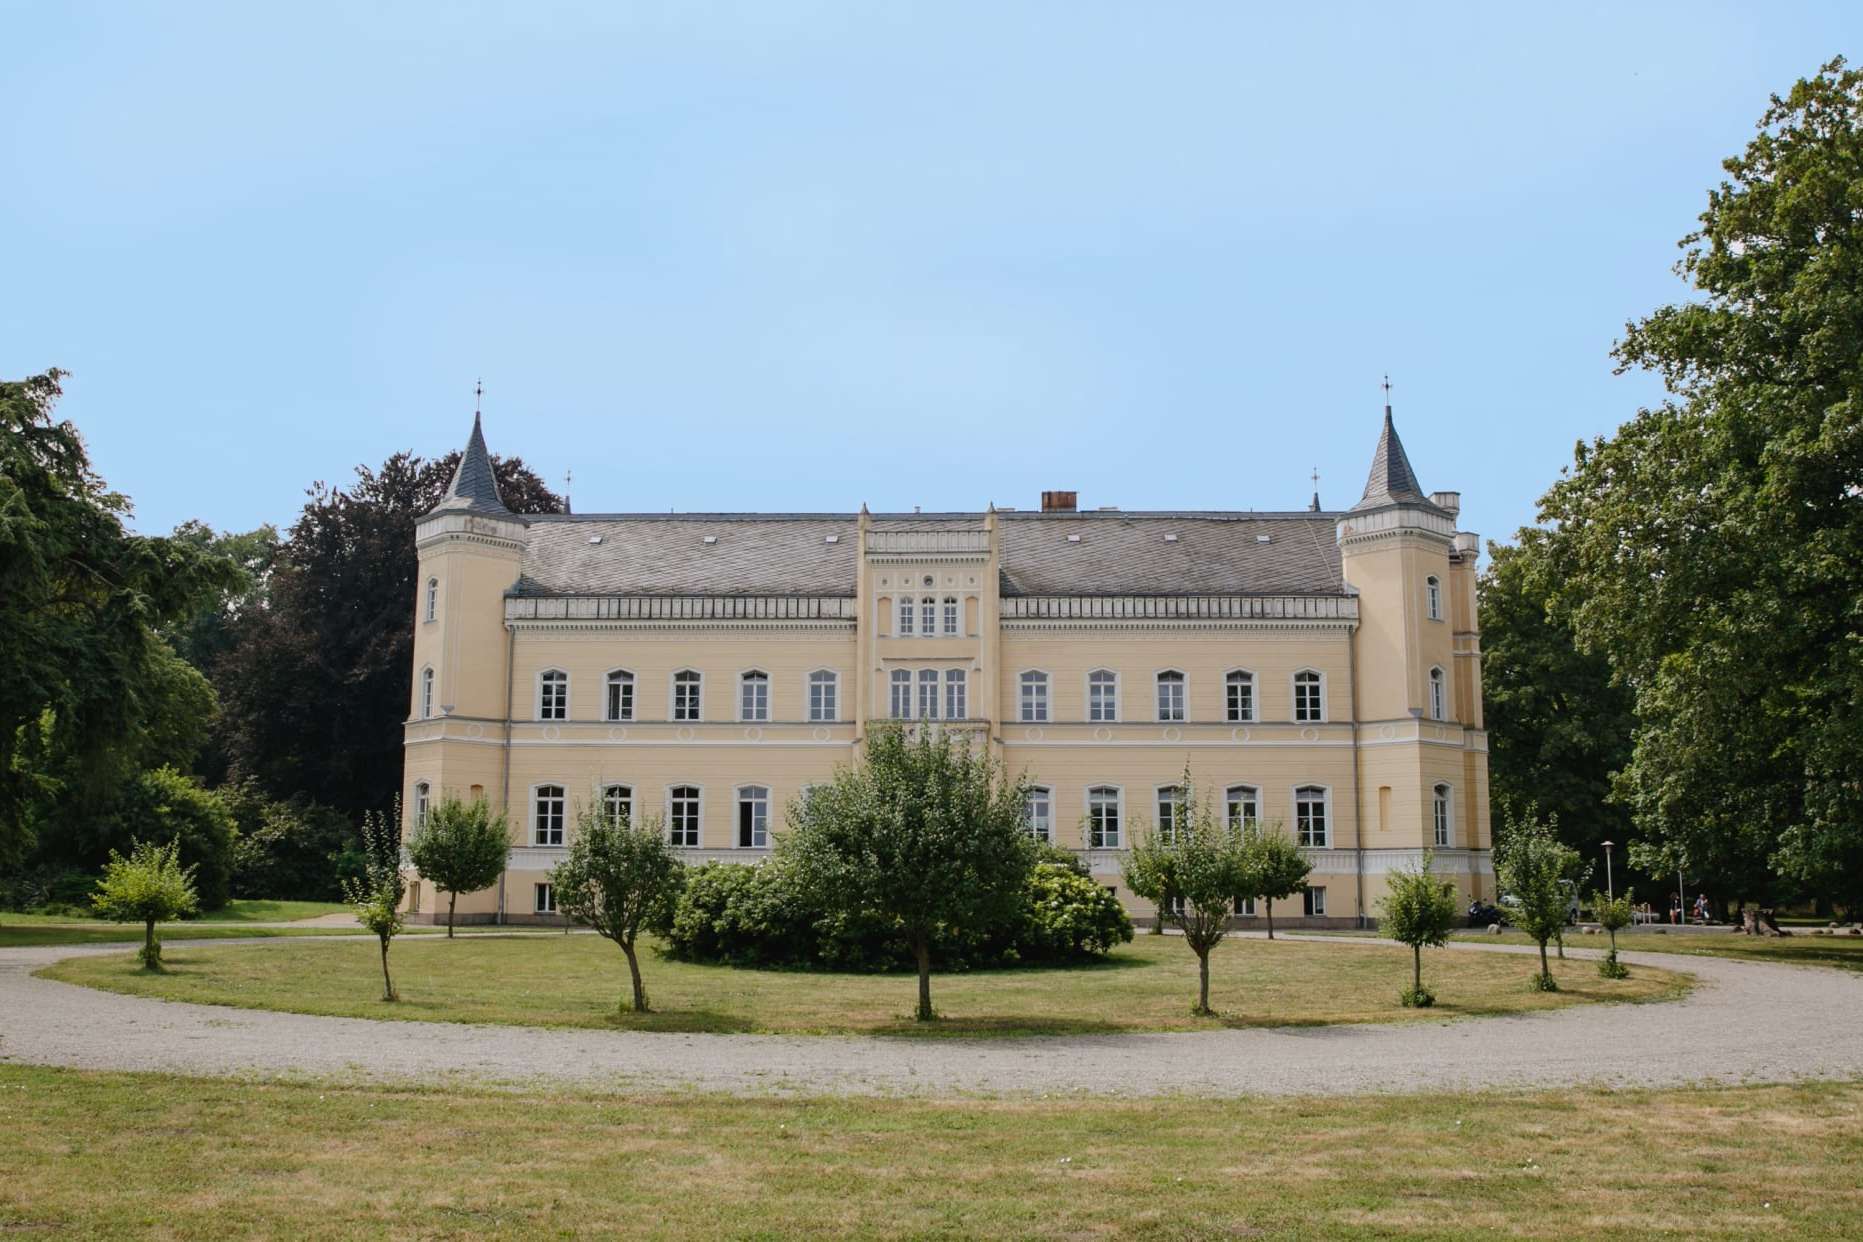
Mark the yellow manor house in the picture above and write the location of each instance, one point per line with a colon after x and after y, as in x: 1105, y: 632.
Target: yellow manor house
x: 1316, y: 670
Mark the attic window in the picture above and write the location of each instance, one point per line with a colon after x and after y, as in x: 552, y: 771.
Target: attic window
x: 711, y: 539
x: 1170, y: 538
x: 831, y: 539
x: 595, y: 538
x: 1073, y: 538
x: 1264, y: 538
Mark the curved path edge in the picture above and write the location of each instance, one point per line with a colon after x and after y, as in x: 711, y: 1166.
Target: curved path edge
x: 1743, y: 1022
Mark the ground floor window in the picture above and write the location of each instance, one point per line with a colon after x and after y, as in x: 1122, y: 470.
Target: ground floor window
x: 753, y: 817
x: 1041, y: 813
x: 1103, y: 818
x: 1315, y: 904
x: 546, y: 899
x: 1245, y: 906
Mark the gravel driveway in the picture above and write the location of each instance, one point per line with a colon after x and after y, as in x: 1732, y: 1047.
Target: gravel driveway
x: 1745, y: 1022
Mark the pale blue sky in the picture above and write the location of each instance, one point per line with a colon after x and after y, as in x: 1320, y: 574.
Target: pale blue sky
x: 800, y: 256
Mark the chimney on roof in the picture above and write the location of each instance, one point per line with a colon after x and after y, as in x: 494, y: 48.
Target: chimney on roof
x: 1060, y: 502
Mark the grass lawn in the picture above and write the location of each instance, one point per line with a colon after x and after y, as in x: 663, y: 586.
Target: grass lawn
x: 1843, y: 952
x: 577, y: 981
x: 263, y: 910
x: 151, y: 1156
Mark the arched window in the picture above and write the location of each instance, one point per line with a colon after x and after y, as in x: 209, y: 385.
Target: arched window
x: 433, y: 598
x: 907, y: 613
x: 1103, y: 817
x: 1170, y: 811
x: 1034, y: 697
x: 1433, y: 590
x: 1241, y: 806
x: 426, y: 693
x: 618, y: 803
x: 950, y: 615
x: 1040, y: 812
x: 753, y: 817
x: 1439, y: 695
x: 928, y: 615
x: 753, y: 700
x: 620, y: 695
x: 682, y: 816
x: 928, y: 694
x: 546, y: 816
x: 1309, y: 696
x: 824, y: 690
x: 1170, y: 695
x: 423, y: 799
x: 1239, y: 694
x: 1439, y: 815
x: 553, y: 695
x: 1310, y: 816
x: 901, y: 682
x: 687, y: 687
x: 1102, y: 695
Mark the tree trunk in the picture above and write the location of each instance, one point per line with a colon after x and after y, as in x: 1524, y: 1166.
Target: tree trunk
x: 451, y: 901
x: 633, y: 967
x: 388, y: 983
x: 1545, y: 967
x: 150, y: 954
x: 1157, y: 919
x: 921, y: 950
x: 1416, y: 971
x: 1268, y: 904
x: 1559, y: 936
x: 1203, y: 981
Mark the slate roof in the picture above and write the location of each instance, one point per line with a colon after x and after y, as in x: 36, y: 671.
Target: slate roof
x: 474, y: 488
x: 1118, y: 553
x: 1391, y: 481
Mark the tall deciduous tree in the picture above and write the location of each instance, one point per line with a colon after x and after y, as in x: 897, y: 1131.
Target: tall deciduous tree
x: 317, y: 684
x: 460, y: 847
x: 928, y: 833
x: 1712, y: 549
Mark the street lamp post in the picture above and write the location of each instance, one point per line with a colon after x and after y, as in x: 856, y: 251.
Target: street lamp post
x: 1610, y: 888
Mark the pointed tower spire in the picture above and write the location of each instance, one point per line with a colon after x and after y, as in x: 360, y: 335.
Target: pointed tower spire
x: 474, y: 488
x: 1391, y: 481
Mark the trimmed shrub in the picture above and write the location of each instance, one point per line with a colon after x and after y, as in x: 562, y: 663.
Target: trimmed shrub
x: 1069, y: 916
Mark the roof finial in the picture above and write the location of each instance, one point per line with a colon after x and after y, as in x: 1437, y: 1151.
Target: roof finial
x: 1315, y: 506
x: 1387, y: 394
x: 478, y: 397
x: 569, y: 476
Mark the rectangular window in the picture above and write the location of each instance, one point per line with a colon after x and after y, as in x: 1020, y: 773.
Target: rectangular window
x: 906, y: 614
x: 950, y: 616
x: 1241, y: 696
x: 1310, y: 817
x: 754, y: 697
x: 1170, y: 696
x: 902, y: 694
x: 620, y: 696
x: 682, y: 816
x: 928, y: 694
x: 1170, y: 811
x: 547, y: 816
x: 1307, y: 701
x: 1241, y: 806
x: 956, y: 694
x: 1439, y: 813
x: 1102, y: 696
x: 618, y: 803
x: 1034, y: 697
x: 1245, y: 906
x: 929, y: 615
x: 546, y: 899
x: 753, y: 817
x: 1315, y: 902
x: 1103, y: 818
x: 822, y: 688
x: 1041, y: 814
x: 553, y: 696
x: 686, y: 688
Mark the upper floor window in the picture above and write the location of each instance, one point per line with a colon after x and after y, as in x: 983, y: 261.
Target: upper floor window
x: 956, y: 694
x: 907, y: 613
x: 553, y: 695
x: 1310, y: 816
x: 1433, y: 589
x: 1242, y: 806
x: 426, y: 693
x: 1439, y: 815
x: 753, y: 700
x: 1034, y: 697
x: 1439, y: 695
x: 1103, y: 818
x: 620, y: 703
x: 1309, y: 697
x: 1041, y: 812
x: 928, y: 614
x: 546, y: 822
x: 951, y: 626
x: 1170, y: 696
x: 753, y: 817
x: 1239, y: 693
x: 433, y: 598
x: 1102, y: 695
x: 1170, y: 811
x: 682, y: 816
x: 423, y: 798
x: 901, y: 705
x: 928, y: 694
x: 824, y: 689
x: 687, y: 687
x: 618, y: 803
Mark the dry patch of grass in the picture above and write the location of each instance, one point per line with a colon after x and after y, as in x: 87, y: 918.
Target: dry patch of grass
x: 151, y: 1156
x: 576, y: 981
x: 1801, y: 948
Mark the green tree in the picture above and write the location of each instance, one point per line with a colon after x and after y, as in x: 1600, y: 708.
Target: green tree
x: 1613, y: 917
x: 1537, y: 870
x: 376, y: 894
x: 168, y: 805
x: 461, y: 848
x: 149, y: 887
x: 1208, y: 862
x: 927, y: 833
x: 1712, y: 548
x: 621, y: 879
x: 1419, y: 910
x: 1149, y: 871
x: 83, y: 672
x: 316, y: 685
x: 1277, y: 869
